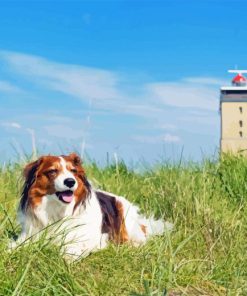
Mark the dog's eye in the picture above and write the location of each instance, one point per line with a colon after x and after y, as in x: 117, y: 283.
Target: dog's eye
x: 52, y: 172
x: 74, y: 171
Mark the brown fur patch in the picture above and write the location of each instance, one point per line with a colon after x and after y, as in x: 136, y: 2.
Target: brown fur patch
x: 113, y: 217
x: 44, y: 179
x: 122, y: 235
x: 144, y: 229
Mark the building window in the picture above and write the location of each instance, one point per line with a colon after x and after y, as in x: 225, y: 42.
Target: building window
x: 240, y: 123
x: 241, y: 134
x: 241, y: 109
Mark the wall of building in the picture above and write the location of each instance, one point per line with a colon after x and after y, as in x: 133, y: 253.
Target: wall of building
x: 234, y: 146
x: 233, y: 126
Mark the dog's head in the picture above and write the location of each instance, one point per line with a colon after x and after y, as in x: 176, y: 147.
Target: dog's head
x: 60, y: 177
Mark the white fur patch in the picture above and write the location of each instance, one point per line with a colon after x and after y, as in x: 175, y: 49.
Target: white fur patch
x: 65, y: 174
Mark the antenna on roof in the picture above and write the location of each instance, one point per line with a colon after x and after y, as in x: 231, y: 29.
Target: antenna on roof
x: 237, y: 71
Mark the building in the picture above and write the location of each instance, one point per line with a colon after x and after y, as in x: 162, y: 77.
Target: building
x: 233, y: 111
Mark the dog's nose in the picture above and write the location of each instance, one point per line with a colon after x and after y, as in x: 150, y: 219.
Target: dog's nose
x: 69, y: 182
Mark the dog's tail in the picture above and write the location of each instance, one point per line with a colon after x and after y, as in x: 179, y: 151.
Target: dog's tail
x: 156, y: 227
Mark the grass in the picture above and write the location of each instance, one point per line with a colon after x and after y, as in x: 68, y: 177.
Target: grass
x: 206, y: 254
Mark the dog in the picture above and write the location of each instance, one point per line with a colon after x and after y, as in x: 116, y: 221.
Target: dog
x: 58, y: 199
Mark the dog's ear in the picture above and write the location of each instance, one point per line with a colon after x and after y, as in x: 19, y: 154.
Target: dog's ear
x: 31, y: 168
x: 29, y: 173
x: 76, y: 160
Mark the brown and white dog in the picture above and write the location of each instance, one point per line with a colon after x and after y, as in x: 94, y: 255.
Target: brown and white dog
x: 57, y: 192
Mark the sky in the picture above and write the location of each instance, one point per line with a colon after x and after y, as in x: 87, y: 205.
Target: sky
x: 133, y: 80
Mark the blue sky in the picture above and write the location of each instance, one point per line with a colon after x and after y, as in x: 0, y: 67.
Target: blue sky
x: 136, y: 78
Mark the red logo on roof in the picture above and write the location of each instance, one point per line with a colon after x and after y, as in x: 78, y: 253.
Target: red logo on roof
x: 239, y: 80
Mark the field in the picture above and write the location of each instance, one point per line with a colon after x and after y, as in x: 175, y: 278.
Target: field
x: 206, y: 254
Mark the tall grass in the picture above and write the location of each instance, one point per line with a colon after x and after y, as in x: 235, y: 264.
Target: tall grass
x: 206, y: 254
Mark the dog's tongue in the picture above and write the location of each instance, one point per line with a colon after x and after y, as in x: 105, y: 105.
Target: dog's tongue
x: 66, y: 196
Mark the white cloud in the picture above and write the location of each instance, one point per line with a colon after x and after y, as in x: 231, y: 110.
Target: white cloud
x: 165, y: 106
x: 168, y: 126
x: 167, y: 138
x: 82, y: 82
x: 206, y: 81
x: 15, y: 125
x: 11, y: 124
x: 104, y: 88
x: 185, y: 95
x: 8, y: 87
